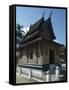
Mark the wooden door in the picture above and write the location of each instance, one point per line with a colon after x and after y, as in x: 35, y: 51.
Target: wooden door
x: 52, y: 57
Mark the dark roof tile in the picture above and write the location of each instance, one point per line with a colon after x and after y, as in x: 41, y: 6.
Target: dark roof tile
x: 37, y: 28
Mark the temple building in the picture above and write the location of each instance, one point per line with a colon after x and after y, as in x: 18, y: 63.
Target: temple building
x: 39, y: 57
x: 38, y: 45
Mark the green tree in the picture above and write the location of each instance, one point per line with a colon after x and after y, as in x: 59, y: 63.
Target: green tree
x: 19, y: 34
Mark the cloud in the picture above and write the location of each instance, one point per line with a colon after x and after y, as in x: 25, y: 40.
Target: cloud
x: 25, y: 29
x: 56, y: 41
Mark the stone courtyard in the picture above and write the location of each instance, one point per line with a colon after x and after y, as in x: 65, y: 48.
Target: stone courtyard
x: 22, y: 79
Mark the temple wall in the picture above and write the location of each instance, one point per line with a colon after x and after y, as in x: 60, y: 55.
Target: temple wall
x: 46, y: 47
x: 36, y: 57
x: 45, y: 57
x: 43, y: 50
x: 24, y: 59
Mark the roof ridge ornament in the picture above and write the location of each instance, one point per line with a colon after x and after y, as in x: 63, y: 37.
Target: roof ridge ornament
x: 51, y: 13
x: 43, y: 14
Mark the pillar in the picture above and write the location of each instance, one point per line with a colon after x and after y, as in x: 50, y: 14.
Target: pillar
x: 34, y: 55
x: 40, y: 57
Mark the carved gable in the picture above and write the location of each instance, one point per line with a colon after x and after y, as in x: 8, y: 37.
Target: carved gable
x: 47, y: 30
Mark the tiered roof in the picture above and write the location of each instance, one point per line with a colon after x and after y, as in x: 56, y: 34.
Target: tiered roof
x: 37, y: 28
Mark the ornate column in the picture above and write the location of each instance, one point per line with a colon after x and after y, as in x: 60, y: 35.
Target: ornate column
x: 34, y: 55
x: 40, y: 57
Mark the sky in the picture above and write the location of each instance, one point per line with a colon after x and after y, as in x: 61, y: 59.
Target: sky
x: 27, y: 16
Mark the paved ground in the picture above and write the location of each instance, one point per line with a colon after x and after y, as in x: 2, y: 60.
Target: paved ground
x: 22, y: 79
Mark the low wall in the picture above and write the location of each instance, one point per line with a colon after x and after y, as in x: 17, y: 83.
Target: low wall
x: 41, y: 73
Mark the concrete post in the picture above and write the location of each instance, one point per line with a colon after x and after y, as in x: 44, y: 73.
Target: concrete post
x: 19, y: 71
x: 47, y: 76
x: 57, y: 73
x: 30, y: 73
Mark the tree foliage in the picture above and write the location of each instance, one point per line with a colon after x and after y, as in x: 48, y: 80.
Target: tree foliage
x: 19, y: 34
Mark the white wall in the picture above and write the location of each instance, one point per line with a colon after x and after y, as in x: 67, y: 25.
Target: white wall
x: 4, y: 44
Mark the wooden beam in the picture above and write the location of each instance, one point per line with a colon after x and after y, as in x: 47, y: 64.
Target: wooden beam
x: 31, y: 41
